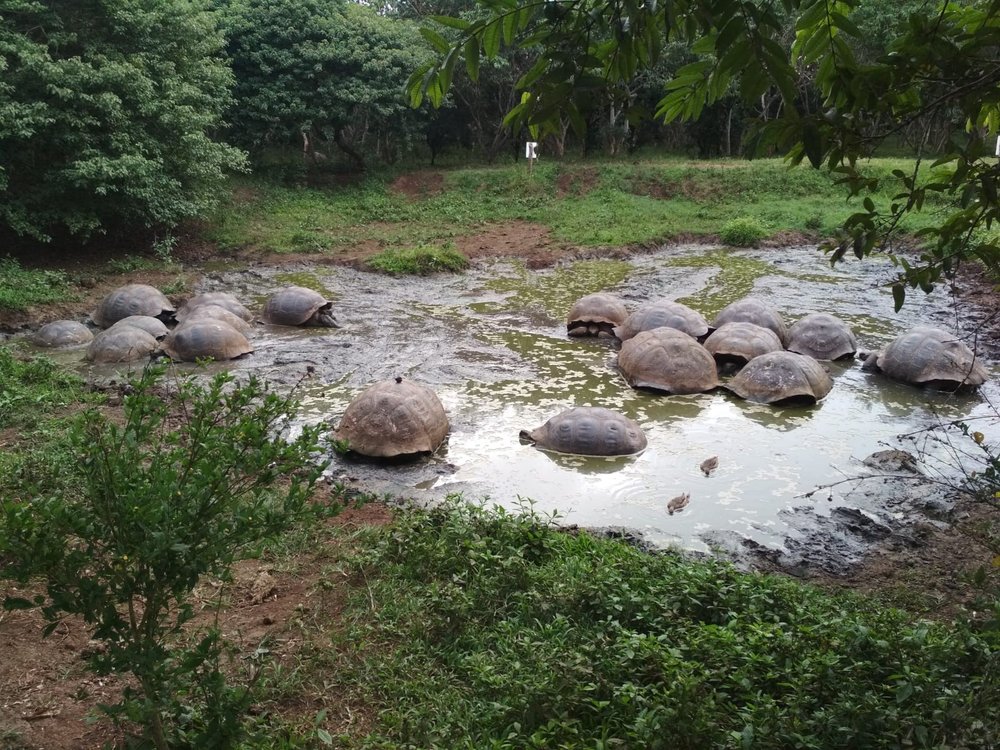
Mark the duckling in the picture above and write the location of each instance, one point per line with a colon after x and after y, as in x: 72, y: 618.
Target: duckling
x: 678, y: 503
x: 709, y: 465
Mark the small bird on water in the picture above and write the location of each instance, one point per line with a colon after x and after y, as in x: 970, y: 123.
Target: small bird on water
x: 709, y: 465
x: 678, y: 503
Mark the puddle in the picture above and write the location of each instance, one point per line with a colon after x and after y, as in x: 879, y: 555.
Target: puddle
x: 492, y: 344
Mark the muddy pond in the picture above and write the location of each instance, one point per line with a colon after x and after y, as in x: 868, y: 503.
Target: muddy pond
x: 493, y: 345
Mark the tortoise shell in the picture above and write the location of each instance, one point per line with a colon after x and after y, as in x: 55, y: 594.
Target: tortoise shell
x: 664, y: 359
x: 394, y: 418
x: 299, y: 306
x: 133, y: 299
x: 932, y: 357
x: 660, y: 314
x: 752, y: 310
x: 738, y: 342
x: 122, y: 344
x: 822, y: 336
x: 153, y: 326
x: 203, y: 338
x: 782, y: 378
x: 594, y: 314
x: 62, y: 333
x: 221, y: 299
x: 216, y: 313
x: 589, y: 431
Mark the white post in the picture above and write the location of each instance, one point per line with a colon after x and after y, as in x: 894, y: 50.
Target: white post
x: 529, y: 153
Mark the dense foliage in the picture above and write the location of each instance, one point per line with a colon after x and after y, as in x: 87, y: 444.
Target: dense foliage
x: 505, y: 633
x: 108, y: 113
x: 315, y: 71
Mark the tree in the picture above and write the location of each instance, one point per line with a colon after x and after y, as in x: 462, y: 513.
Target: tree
x: 942, y: 65
x: 309, y: 69
x: 108, y: 111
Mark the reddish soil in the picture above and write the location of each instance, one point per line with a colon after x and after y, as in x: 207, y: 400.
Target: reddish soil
x: 47, y: 694
x: 577, y: 182
x: 417, y: 185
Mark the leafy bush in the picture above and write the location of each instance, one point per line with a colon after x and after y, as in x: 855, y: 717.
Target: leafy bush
x: 743, y: 231
x: 176, y: 492
x: 420, y: 260
x: 33, y: 389
x: 20, y: 288
x: 510, y: 634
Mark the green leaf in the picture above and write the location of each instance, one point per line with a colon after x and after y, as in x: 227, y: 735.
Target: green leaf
x: 491, y: 39
x: 898, y: 296
x: 439, y: 42
x: 472, y: 58
x: 452, y: 22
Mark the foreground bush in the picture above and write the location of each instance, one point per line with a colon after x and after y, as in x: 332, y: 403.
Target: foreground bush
x: 744, y: 231
x: 176, y: 492
x: 495, y: 631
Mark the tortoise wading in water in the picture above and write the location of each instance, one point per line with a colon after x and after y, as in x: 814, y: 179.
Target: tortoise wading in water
x: 394, y: 418
x: 734, y: 344
x: 299, y: 306
x: 822, y: 336
x: 663, y: 313
x: 595, y: 314
x: 62, y: 333
x: 588, y: 431
x: 133, y: 299
x: 217, y: 313
x: 221, y: 299
x: 123, y: 344
x: 752, y: 310
x: 204, y: 338
x: 665, y: 359
x: 933, y: 358
x: 782, y: 378
x: 153, y: 326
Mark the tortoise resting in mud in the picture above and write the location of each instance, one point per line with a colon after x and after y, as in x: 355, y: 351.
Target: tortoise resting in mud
x: 62, y: 333
x: 734, y: 344
x: 394, y: 418
x: 133, y: 299
x: 298, y: 306
x: 203, y: 338
x: 153, y: 326
x: 121, y: 344
x: 588, y: 431
x: 217, y: 313
x: 664, y: 359
x: 595, y: 314
x: 784, y: 378
x: 224, y: 300
x: 822, y: 336
x: 752, y: 310
x: 663, y: 313
x: 931, y: 357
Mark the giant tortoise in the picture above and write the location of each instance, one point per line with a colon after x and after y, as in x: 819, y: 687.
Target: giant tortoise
x: 299, y: 306
x: 220, y: 299
x: 588, y: 431
x: 734, y: 344
x: 133, y: 299
x: 664, y: 359
x: 822, y: 336
x: 121, y: 344
x: 211, y: 311
x: 752, y: 310
x: 62, y: 333
x: 782, y: 378
x: 663, y: 313
x: 394, y: 418
x: 595, y: 314
x: 933, y: 358
x: 153, y: 326
x: 204, y: 338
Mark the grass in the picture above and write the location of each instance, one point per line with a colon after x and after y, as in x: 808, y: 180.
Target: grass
x: 21, y: 288
x: 35, y: 389
x: 418, y: 261
x: 586, y: 204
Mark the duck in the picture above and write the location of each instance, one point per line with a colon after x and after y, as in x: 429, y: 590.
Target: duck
x: 709, y: 465
x: 678, y: 503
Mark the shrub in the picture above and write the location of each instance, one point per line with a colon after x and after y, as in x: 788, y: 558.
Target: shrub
x: 420, y: 260
x: 743, y: 231
x: 175, y: 493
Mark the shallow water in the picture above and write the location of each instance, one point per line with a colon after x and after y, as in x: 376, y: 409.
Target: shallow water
x: 492, y: 344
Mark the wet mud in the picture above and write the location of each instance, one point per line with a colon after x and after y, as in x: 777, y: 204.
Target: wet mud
x: 492, y: 344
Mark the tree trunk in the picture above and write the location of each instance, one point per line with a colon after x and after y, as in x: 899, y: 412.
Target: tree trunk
x: 347, y: 148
